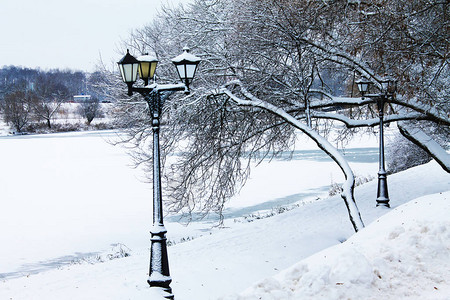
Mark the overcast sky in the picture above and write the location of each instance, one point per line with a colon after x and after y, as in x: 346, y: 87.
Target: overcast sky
x: 69, y: 34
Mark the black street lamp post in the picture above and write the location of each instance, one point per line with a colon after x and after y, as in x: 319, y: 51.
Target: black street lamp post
x: 382, y: 191
x: 388, y: 87
x: 186, y: 63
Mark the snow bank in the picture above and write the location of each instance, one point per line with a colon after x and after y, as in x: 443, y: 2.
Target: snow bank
x: 402, y: 255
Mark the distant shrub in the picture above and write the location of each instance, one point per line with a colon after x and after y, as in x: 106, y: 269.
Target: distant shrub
x: 102, y: 126
x: 41, y: 128
x: 336, y: 188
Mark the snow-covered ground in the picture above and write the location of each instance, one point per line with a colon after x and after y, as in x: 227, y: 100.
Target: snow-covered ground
x: 68, y: 200
x: 403, y: 255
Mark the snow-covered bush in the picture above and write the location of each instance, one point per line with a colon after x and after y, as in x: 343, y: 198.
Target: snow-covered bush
x: 401, y: 154
x: 117, y: 251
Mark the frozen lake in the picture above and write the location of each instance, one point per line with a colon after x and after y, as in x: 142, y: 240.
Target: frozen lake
x: 69, y: 196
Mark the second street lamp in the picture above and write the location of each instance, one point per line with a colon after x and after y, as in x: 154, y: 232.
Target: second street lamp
x: 387, y: 90
x: 186, y: 63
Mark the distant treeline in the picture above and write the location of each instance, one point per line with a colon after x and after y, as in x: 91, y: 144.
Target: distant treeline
x: 47, y: 84
x: 30, y: 97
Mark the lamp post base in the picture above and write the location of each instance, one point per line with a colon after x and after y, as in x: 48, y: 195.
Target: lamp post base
x: 383, y: 202
x: 159, y: 276
x: 382, y: 194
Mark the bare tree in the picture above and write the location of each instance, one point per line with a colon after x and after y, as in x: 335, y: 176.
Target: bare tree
x: 17, y: 109
x: 90, y: 109
x: 50, y: 94
x: 268, y: 69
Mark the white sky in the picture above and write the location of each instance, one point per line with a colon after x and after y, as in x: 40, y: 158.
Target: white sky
x: 69, y: 33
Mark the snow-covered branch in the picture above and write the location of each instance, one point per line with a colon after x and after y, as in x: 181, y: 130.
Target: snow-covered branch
x: 336, y: 101
x: 322, y: 143
x: 425, y: 142
x: 351, y: 123
x: 427, y: 110
x: 340, y: 57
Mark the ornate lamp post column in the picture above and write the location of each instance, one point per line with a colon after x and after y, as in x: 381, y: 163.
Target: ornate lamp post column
x: 186, y: 63
x: 382, y: 191
x: 387, y: 90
